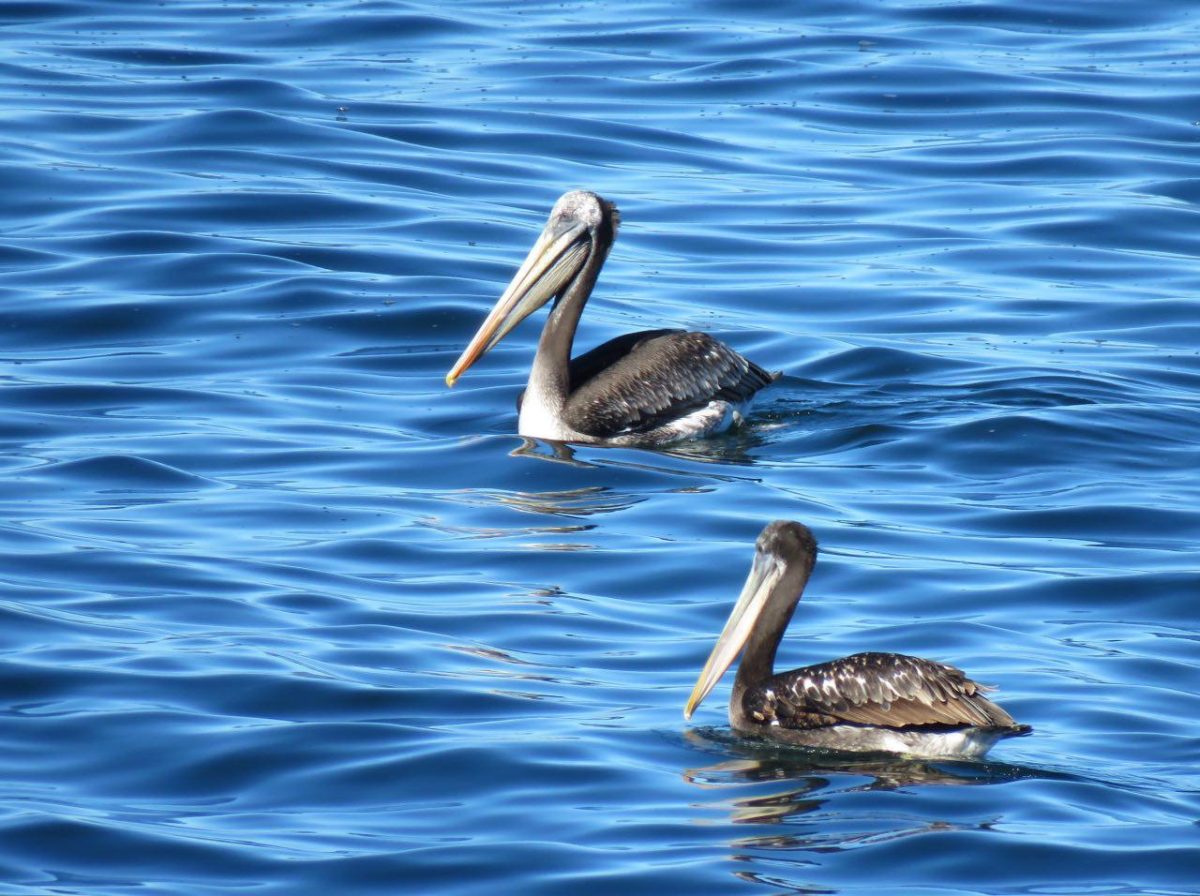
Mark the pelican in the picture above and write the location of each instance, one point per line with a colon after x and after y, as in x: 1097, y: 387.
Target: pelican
x: 646, y: 389
x: 865, y: 702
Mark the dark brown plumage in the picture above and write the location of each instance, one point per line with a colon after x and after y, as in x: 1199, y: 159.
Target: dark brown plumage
x: 874, y: 689
x: 868, y: 701
x: 642, y: 381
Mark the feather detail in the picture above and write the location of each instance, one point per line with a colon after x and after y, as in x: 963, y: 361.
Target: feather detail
x: 886, y: 689
x: 644, y: 381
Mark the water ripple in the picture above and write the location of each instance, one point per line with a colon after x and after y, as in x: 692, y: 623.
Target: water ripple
x: 280, y: 611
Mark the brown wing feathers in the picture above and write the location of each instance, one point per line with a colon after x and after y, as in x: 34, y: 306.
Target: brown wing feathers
x: 875, y: 689
x: 630, y: 384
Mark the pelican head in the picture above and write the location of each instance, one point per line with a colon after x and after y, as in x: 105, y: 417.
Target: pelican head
x: 784, y: 556
x: 581, y: 228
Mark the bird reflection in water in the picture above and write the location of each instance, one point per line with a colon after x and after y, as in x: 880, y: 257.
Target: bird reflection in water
x: 733, y: 449
x: 809, y: 778
x: 584, y: 501
x: 551, y: 451
x: 571, y: 506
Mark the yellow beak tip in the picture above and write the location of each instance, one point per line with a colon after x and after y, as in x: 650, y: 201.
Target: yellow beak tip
x: 451, y: 379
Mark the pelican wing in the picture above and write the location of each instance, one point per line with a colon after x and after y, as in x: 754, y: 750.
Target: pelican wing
x: 643, y: 380
x: 876, y: 689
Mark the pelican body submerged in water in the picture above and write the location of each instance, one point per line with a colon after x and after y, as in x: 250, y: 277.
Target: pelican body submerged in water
x: 865, y: 702
x: 649, y: 388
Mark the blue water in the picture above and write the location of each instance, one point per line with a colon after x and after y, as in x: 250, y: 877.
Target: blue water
x: 281, y: 614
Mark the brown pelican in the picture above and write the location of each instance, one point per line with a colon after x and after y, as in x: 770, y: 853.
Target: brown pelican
x: 649, y: 388
x: 868, y: 701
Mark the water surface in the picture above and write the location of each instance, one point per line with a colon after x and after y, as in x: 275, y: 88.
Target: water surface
x: 281, y: 614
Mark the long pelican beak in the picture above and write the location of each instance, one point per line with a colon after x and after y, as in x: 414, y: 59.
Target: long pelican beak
x: 764, y: 576
x: 553, y: 261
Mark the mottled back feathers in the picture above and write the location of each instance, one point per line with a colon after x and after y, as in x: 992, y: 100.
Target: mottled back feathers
x: 884, y: 689
x: 643, y: 380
